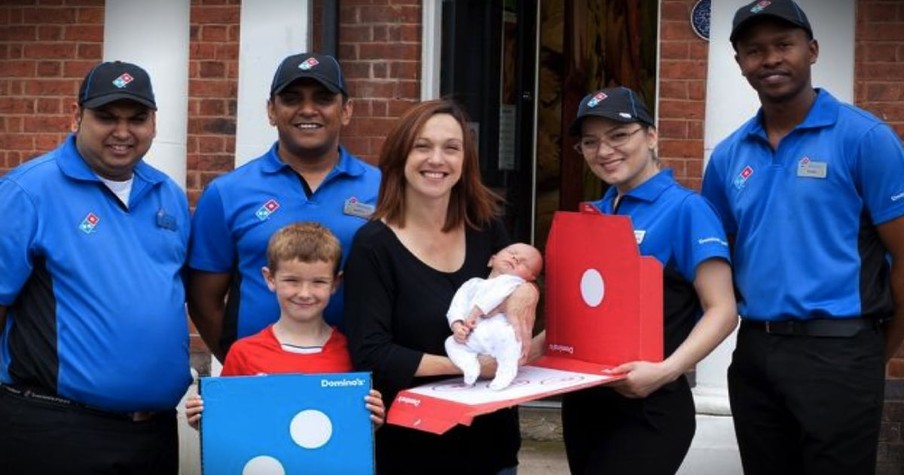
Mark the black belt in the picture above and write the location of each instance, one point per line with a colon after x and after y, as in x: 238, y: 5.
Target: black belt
x: 824, y: 327
x: 38, y: 395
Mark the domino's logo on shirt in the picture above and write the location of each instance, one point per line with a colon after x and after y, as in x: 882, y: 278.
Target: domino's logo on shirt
x: 89, y: 224
x: 263, y: 213
x: 742, y: 177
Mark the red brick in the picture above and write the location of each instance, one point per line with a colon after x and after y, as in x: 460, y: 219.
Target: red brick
x: 19, y: 69
x: 876, y: 12
x: 694, y: 69
x: 681, y: 148
x: 687, y: 110
x: 215, y: 14
x: 91, y: 15
x: 357, y: 33
x: 677, y: 30
x: 214, y: 33
x: 84, y: 33
x: 47, y: 123
x: 49, y: 105
x: 11, y: 33
x: 673, y: 89
x: 59, y: 16
x: 47, y: 69
x: 673, y: 129
x: 50, y: 33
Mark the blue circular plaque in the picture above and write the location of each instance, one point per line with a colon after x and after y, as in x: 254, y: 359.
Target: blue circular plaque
x: 700, y: 18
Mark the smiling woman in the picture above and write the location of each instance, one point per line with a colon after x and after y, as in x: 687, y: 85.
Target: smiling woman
x: 653, y: 407
x: 434, y: 228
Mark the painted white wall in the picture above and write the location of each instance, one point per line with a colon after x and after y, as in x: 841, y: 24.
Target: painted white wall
x: 155, y: 36
x: 269, y: 31
x: 431, y: 43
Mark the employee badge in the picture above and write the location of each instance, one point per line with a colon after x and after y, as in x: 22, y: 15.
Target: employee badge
x: 353, y: 207
x: 808, y: 168
x: 166, y: 221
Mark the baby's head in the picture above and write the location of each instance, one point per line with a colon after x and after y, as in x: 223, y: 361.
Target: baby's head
x: 519, y: 259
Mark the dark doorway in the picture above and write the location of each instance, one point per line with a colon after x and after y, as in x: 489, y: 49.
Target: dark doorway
x: 488, y: 66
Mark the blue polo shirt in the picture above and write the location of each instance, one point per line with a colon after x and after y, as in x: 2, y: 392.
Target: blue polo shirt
x: 804, y: 215
x: 239, y: 211
x: 96, y: 302
x: 681, y: 230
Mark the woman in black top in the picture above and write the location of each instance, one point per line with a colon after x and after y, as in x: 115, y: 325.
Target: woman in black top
x: 434, y: 228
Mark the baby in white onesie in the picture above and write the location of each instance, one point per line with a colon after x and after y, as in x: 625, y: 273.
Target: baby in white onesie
x: 477, y: 325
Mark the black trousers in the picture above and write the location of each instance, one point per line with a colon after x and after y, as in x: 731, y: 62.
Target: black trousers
x: 38, y: 437
x: 607, y: 433
x: 807, y: 405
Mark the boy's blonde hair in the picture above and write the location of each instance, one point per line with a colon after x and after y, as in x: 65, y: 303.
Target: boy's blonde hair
x: 306, y: 242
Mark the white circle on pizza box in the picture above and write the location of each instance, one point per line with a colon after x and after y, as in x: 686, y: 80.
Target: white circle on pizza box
x: 263, y: 465
x: 311, y: 429
x: 593, y: 288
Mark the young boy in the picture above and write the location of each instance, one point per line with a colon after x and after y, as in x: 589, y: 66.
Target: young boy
x: 303, y: 270
x: 491, y: 335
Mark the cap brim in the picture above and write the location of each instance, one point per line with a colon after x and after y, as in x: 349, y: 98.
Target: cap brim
x: 332, y: 87
x: 575, y: 128
x: 108, y: 98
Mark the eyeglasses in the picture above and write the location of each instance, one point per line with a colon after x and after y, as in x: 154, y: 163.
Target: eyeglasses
x: 590, y: 145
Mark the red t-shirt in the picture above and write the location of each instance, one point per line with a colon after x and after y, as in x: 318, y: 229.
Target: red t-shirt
x: 263, y: 354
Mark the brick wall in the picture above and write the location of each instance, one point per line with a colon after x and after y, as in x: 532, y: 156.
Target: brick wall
x: 878, y: 70
x: 682, y: 93
x: 45, y: 50
x: 212, y: 91
x: 379, y: 48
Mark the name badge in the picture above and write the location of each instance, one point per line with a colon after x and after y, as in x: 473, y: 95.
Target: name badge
x: 807, y: 168
x: 166, y: 221
x: 353, y: 207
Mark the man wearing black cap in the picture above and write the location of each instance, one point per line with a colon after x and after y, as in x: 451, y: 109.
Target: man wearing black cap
x: 94, y: 342
x: 305, y: 176
x: 812, y: 191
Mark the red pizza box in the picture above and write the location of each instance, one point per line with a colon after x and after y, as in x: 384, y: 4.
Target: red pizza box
x: 603, y: 309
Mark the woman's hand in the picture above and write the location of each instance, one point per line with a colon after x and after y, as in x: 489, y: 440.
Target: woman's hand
x: 520, y: 309
x: 374, y: 403
x: 194, y: 406
x: 643, y: 378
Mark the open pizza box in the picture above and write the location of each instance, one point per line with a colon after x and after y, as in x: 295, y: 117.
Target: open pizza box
x: 603, y: 308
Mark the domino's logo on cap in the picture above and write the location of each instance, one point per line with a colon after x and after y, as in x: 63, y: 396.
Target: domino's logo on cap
x: 760, y: 6
x: 308, y: 64
x: 123, y: 81
x: 600, y: 96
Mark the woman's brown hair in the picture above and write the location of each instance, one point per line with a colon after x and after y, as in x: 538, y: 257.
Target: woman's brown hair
x: 471, y: 203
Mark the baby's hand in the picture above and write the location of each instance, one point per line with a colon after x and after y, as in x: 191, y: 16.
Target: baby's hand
x: 194, y: 406
x: 374, y: 403
x: 460, y: 332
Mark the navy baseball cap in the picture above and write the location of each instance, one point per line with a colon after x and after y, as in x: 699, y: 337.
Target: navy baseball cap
x: 115, y: 80
x: 616, y: 103
x: 321, y: 67
x: 785, y: 10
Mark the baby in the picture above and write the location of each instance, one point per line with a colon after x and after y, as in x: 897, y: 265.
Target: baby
x: 492, y: 334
